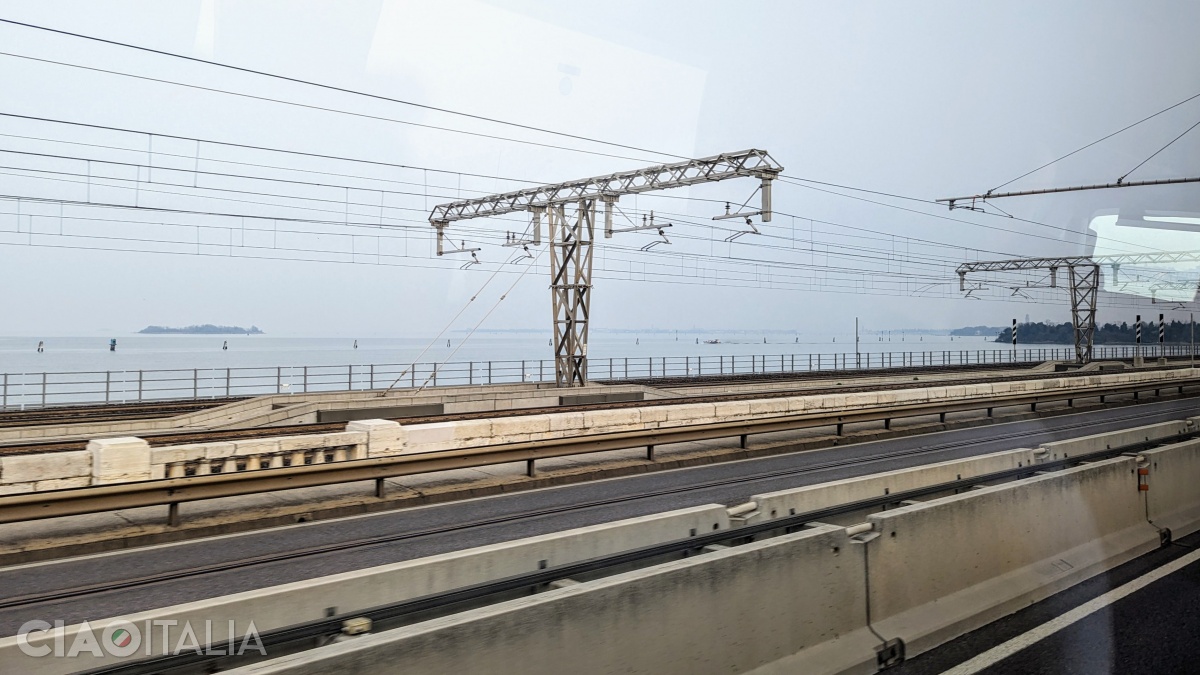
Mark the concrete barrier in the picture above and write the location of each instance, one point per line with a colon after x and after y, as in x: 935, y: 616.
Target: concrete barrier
x: 50, y: 471
x: 288, y: 604
x: 785, y: 503
x: 1173, y: 494
x: 793, y: 604
x: 948, y: 566
x: 1083, y: 445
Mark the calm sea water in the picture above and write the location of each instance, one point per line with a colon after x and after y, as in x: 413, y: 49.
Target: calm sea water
x: 163, y: 352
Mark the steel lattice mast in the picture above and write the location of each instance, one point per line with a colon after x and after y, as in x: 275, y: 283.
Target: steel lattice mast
x: 571, y: 233
x: 1084, y: 277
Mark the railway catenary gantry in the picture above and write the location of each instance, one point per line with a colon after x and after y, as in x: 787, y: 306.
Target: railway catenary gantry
x: 571, y: 233
x: 1084, y: 277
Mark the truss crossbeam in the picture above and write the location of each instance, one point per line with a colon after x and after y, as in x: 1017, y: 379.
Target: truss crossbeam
x: 1154, y: 258
x: 755, y: 163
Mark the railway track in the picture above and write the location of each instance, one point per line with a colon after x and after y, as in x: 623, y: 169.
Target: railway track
x: 183, y: 438
x: 113, y: 412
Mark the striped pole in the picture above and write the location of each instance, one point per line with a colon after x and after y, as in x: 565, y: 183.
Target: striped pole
x: 1162, y: 335
x: 1137, y: 350
x: 1014, y: 337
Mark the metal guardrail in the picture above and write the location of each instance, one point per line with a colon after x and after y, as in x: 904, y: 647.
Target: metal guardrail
x: 46, y: 389
x: 171, y: 492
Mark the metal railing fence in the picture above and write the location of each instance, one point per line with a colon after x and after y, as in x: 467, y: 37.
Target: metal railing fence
x: 45, y: 389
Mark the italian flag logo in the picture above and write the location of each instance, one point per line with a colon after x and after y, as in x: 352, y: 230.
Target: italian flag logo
x: 121, y: 637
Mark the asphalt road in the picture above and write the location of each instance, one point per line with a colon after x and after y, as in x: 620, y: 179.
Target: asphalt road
x: 529, y: 513
x: 1151, y: 631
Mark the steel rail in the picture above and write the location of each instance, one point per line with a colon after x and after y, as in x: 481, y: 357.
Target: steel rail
x: 483, y: 592
x: 99, y: 499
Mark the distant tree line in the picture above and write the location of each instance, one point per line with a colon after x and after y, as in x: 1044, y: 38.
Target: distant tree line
x: 1109, y: 333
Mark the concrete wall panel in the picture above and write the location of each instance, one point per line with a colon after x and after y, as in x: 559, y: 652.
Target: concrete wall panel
x: 942, y: 568
x: 1173, y: 500
x: 288, y: 604
x: 793, y: 604
x: 810, y: 498
x: 1083, y: 445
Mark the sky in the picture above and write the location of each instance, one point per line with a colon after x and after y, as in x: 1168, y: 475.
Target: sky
x: 157, y: 219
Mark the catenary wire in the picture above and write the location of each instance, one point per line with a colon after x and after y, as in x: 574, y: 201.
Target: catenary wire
x: 1097, y: 141
x: 344, y: 90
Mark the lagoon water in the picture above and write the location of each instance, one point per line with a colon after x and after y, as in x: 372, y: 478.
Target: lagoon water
x: 164, y: 352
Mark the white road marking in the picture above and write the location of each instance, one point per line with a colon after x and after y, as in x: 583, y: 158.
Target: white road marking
x: 1006, y: 649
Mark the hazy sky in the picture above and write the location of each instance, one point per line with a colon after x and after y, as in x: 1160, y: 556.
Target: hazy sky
x: 919, y: 99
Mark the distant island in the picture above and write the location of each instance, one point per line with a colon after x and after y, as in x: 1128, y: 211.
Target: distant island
x: 1109, y: 333
x: 206, y: 329
x: 976, y: 331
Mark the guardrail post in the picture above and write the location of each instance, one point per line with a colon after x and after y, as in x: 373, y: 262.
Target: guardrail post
x: 530, y: 470
x: 350, y: 377
x: 522, y: 370
x: 195, y: 383
x: 650, y: 453
x: 541, y: 370
x: 742, y: 440
x: 5, y: 404
x: 305, y: 379
x: 412, y: 377
x: 107, y: 385
x: 489, y: 372
x: 435, y: 369
x: 610, y: 368
x: 470, y: 372
x: 278, y: 380
x: 173, y: 514
x: 380, y: 488
x: 226, y: 382
x: 371, y: 372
